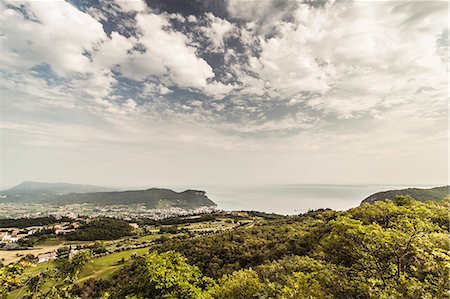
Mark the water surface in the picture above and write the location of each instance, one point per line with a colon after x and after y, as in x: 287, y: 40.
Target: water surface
x: 292, y: 199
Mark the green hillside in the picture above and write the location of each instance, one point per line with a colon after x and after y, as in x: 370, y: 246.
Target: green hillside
x: 29, y: 191
x: 433, y: 194
x: 63, y: 194
x: 152, y: 198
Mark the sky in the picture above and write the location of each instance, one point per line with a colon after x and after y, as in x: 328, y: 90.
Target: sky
x: 125, y: 93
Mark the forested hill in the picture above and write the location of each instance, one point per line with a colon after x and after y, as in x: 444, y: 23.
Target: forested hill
x: 29, y: 191
x: 433, y: 194
x: 63, y: 194
x: 152, y: 198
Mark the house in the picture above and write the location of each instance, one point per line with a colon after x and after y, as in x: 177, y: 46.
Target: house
x: 9, y: 238
x: 73, y: 252
x: 45, y: 257
x: 240, y: 214
x: 134, y: 225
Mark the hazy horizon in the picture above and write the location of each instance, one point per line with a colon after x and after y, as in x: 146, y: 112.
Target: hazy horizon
x: 178, y: 186
x: 287, y: 199
x: 199, y: 186
x: 167, y: 93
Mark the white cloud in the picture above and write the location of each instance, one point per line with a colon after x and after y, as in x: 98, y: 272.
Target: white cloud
x: 58, y: 38
x: 360, y: 57
x: 169, y: 54
x: 217, y: 31
x: 132, y: 5
x: 192, y: 19
x: 262, y: 15
x: 347, y: 83
x: 151, y: 89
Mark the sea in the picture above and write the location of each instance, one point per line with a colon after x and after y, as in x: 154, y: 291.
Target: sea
x: 292, y: 199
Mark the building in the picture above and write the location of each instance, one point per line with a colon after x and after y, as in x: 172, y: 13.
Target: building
x: 46, y: 257
x: 9, y: 238
x: 134, y: 225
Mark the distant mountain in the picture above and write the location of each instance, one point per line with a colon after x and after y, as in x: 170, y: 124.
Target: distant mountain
x: 63, y: 194
x: 152, y: 198
x: 433, y: 194
x: 29, y: 191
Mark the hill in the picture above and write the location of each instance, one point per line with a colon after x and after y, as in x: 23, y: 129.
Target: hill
x: 63, y: 194
x: 153, y: 198
x: 433, y: 194
x: 29, y: 191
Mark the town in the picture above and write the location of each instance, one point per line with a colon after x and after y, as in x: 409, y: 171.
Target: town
x: 22, y: 238
x: 132, y: 211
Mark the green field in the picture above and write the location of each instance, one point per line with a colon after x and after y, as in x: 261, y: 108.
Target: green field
x: 105, y: 266
x: 101, y: 267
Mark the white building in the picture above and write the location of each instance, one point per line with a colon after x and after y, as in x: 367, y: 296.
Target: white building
x: 45, y: 257
x: 9, y: 239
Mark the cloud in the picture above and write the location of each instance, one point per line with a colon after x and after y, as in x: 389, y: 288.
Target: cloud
x: 54, y: 37
x: 152, y: 88
x: 360, y: 57
x: 132, y: 5
x: 217, y: 31
x: 262, y: 14
x: 271, y: 79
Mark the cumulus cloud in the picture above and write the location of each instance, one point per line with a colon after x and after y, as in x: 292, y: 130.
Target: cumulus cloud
x: 292, y: 78
x: 359, y: 57
x: 58, y: 36
x: 132, y: 5
x: 217, y: 30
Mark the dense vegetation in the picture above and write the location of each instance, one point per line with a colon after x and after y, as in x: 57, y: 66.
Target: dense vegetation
x: 152, y: 198
x: 434, y: 194
x: 386, y: 250
x: 101, y: 229
x: 27, y: 222
x: 207, y: 217
x: 390, y: 249
x: 247, y: 247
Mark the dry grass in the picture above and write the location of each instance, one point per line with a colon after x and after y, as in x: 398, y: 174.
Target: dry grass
x: 11, y: 256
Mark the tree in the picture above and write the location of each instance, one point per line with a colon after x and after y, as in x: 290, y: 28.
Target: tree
x: 70, y: 268
x: 165, y: 275
x: 241, y: 284
x: 10, y: 277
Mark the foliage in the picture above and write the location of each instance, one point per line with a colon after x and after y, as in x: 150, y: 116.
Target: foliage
x: 69, y: 268
x: 179, y: 220
x: 229, y: 251
x: 10, y: 277
x: 27, y: 222
x: 240, y: 284
x: 152, y: 198
x: 101, y: 229
x: 166, y: 275
x: 390, y: 249
x: 431, y: 194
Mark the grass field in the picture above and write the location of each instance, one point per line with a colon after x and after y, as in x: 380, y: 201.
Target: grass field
x: 102, y: 267
x: 105, y: 266
x: 30, y: 272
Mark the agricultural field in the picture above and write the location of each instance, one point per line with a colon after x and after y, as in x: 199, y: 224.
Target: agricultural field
x: 12, y: 256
